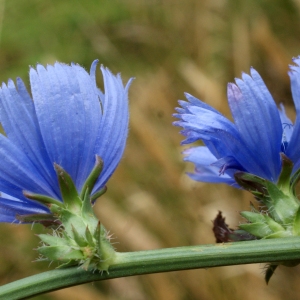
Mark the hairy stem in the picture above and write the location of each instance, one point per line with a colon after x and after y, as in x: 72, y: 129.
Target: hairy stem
x: 155, y: 261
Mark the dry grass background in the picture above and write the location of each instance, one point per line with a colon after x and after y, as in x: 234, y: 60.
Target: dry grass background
x: 170, y: 46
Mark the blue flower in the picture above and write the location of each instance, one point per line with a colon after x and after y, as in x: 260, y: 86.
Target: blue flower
x: 252, y: 143
x: 67, y: 121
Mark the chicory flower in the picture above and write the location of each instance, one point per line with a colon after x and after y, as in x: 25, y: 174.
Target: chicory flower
x: 68, y: 121
x: 259, y: 151
x: 253, y: 143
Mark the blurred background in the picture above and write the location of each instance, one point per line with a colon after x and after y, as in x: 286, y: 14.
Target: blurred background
x: 170, y: 47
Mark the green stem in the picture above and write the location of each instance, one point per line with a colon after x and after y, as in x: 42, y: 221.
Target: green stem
x: 155, y: 261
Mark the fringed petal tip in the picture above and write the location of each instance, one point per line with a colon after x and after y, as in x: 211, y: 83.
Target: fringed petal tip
x: 296, y: 60
x: 210, y: 177
x: 259, y: 130
x: 177, y: 116
x: 114, y: 124
x: 295, y: 66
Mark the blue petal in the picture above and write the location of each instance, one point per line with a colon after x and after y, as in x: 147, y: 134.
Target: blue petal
x: 192, y: 136
x: 68, y: 112
x: 287, y: 127
x: 19, y: 121
x: 207, y: 121
x: 226, y: 163
x: 199, y: 155
x: 252, y: 144
x: 68, y: 123
x: 293, y: 149
x: 93, y: 114
x: 258, y: 121
x: 113, y: 127
x: 10, y: 208
x: 205, y: 170
x: 196, y: 102
x: 211, y: 175
x: 218, y: 130
x: 18, y: 173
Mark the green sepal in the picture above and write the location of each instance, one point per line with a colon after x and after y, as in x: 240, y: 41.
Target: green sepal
x: 279, y: 234
x: 98, y: 194
x: 55, y: 209
x: 68, y: 189
x: 282, y: 207
x: 61, y: 253
x: 98, y: 237
x: 87, y: 212
x: 285, y: 174
x: 257, y: 195
x: 70, y: 220
x: 79, y: 239
x: 92, y: 178
x: 45, y: 219
x: 269, y: 228
x: 45, y: 200
x: 105, y: 251
x: 89, y: 237
x: 252, y: 183
x: 259, y: 230
x: 53, y: 240
x: 296, y: 225
x: 253, y: 217
x: 261, y: 218
x: 274, y: 226
x: 107, y: 255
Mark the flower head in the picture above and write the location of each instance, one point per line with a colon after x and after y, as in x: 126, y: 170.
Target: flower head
x: 67, y: 122
x: 252, y: 143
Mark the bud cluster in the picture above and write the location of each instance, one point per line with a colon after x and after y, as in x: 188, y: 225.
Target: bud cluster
x: 78, y: 237
x: 279, y: 213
